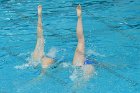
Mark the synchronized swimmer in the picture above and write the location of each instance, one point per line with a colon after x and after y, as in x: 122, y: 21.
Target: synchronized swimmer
x: 79, y: 59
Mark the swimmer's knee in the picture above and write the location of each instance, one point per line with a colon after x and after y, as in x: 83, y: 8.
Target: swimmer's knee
x: 46, y: 62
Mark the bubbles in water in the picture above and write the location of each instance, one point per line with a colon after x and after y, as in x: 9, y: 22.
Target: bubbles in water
x: 26, y: 65
x: 65, y: 65
x: 76, y: 74
x: 7, y: 19
x: 93, y: 52
x: 52, y: 52
x: 23, y: 66
x: 73, y: 77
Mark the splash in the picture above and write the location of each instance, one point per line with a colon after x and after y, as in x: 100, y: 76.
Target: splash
x: 52, y: 52
x: 31, y: 62
x: 76, y: 74
x: 65, y: 65
x: 93, y: 52
x: 23, y: 66
x: 26, y: 65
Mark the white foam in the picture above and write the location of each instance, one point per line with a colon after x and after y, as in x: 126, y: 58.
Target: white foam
x: 65, y: 65
x: 24, y: 54
x: 8, y: 19
x: 93, y: 52
x: 23, y: 66
x: 52, y: 52
x: 74, y: 76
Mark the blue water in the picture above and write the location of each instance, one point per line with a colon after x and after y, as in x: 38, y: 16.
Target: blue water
x: 111, y: 28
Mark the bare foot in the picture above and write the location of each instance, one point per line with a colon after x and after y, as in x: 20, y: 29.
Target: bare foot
x: 39, y: 10
x: 79, y: 12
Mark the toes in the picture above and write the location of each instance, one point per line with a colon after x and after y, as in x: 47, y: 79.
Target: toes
x: 79, y: 7
x: 39, y: 6
x: 39, y: 10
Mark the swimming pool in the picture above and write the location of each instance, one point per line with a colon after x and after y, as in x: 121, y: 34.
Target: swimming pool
x: 111, y: 28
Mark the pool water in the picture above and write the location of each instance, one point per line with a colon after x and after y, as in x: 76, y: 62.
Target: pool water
x: 111, y: 29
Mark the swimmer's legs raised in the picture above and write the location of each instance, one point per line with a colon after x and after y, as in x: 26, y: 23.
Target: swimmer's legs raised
x: 79, y: 56
x: 79, y: 53
x: 38, y: 54
x: 39, y: 49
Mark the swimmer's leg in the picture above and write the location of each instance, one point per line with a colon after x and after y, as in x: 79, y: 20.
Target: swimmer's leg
x: 39, y: 49
x: 48, y: 60
x: 79, y: 56
x: 79, y: 53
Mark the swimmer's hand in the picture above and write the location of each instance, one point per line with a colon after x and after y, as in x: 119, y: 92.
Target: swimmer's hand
x: 39, y: 10
x: 79, y: 12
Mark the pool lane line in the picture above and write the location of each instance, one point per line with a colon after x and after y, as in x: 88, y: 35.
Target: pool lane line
x: 61, y: 81
x: 99, y: 64
x: 50, y: 75
x: 9, y: 51
x: 4, y: 35
x: 136, y: 47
